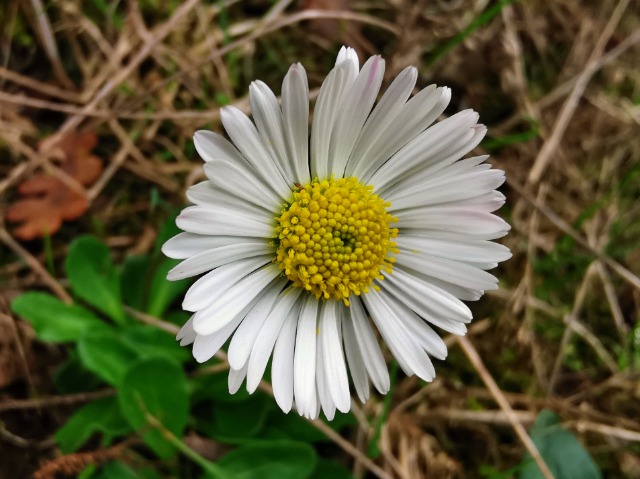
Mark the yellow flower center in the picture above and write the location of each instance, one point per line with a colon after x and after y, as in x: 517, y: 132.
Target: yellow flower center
x: 334, y: 238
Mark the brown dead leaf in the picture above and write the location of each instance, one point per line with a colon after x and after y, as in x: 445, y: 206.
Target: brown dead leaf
x: 47, y: 200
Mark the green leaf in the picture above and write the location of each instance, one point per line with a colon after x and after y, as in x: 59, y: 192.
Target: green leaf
x: 560, y: 449
x: 54, y: 320
x: 148, y: 473
x: 270, y: 460
x: 296, y: 427
x: 164, y: 292
x: 177, y: 317
x: 105, y: 354
x: 119, y: 470
x: 330, y: 469
x: 235, y: 423
x: 133, y: 280
x: 100, y: 416
x: 115, y: 470
x: 88, y: 472
x: 93, y: 277
x: 216, y: 387
x: 149, y: 341
x: 156, y: 387
x: 73, y: 377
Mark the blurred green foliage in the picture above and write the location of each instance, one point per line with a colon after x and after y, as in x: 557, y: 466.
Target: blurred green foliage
x: 160, y: 392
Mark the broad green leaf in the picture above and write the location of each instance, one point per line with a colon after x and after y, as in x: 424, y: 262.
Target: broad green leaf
x: 149, y: 341
x: 119, y: 470
x: 100, y: 416
x: 115, y: 470
x: 93, y: 277
x: 105, y: 354
x: 88, y: 472
x: 235, y: 423
x: 560, y: 449
x: 273, y: 433
x: 54, y: 320
x: 133, y: 281
x: 326, y: 469
x: 73, y: 377
x: 147, y: 473
x: 156, y: 387
x: 164, y: 292
x: 177, y: 317
x: 216, y: 387
x: 296, y: 427
x: 270, y: 460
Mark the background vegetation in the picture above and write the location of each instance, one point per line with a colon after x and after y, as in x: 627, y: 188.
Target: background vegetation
x: 98, y: 103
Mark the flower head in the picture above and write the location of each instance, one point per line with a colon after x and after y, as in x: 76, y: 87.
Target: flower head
x: 306, y: 242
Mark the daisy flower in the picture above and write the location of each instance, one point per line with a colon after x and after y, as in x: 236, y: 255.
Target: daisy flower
x: 311, y: 243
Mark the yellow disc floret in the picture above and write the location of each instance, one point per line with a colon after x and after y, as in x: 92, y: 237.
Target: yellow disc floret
x: 334, y: 238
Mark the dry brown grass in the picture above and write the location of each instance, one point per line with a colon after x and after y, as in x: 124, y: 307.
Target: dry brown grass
x: 562, y: 333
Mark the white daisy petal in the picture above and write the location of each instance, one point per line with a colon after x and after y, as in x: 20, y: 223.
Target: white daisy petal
x: 382, y: 115
x: 334, y: 363
x: 483, y: 266
x: 358, y: 101
x: 467, y: 251
x: 486, y: 203
x: 224, y: 220
x: 448, y: 270
x: 436, y: 145
x: 186, y: 335
x: 246, y: 137
x: 304, y: 373
x: 451, y: 219
x: 322, y: 383
x: 214, y: 147
x: 207, y: 345
x: 469, y: 185
x: 227, y: 306
x: 440, y: 172
x: 414, y: 117
x: 235, y: 178
x: 465, y: 294
x: 246, y: 334
x: 409, y: 354
x: 204, y: 194
x: 421, y: 331
x: 282, y: 366
x: 286, y: 308
x: 305, y: 242
x: 327, y: 106
x: 488, y: 234
x: 268, y: 117
x: 355, y: 360
x: 369, y: 348
x: 427, y: 299
x: 295, y: 112
x: 213, y: 258
x: 314, y: 412
x: 215, y: 283
x: 451, y: 325
x: 348, y: 54
x: 185, y: 245
x: 236, y: 378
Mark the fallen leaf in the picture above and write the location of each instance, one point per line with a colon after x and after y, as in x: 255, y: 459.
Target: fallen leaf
x: 47, y: 200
